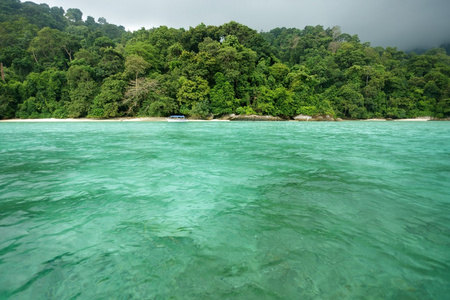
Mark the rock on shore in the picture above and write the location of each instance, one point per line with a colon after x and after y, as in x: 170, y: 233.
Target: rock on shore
x: 254, y: 118
x: 314, y: 118
x: 303, y: 118
x: 234, y: 117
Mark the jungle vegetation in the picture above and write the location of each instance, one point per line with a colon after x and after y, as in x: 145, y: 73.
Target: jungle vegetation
x: 55, y: 64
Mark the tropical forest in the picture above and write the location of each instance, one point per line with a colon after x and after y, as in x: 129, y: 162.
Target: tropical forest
x: 58, y: 64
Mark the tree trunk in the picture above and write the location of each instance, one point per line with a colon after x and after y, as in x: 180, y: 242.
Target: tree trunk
x: 35, y: 58
x: 2, y: 72
x: 137, y: 82
x: 68, y: 53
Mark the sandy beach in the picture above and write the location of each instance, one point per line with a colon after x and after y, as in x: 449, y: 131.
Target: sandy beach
x: 161, y: 119
x: 87, y: 120
x: 146, y: 119
x: 419, y: 119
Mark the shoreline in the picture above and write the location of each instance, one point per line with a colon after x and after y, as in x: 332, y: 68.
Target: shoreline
x: 162, y: 119
x: 53, y: 120
x: 79, y: 120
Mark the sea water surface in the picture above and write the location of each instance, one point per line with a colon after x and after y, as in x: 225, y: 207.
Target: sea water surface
x: 225, y: 210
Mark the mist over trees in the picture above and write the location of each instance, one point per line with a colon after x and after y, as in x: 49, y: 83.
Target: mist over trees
x: 54, y: 64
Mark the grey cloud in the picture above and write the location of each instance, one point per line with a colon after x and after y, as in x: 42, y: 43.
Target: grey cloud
x: 404, y: 24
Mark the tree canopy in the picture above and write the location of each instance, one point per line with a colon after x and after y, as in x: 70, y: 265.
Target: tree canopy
x: 54, y: 64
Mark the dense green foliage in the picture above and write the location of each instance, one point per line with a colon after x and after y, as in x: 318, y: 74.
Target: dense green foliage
x: 57, y: 65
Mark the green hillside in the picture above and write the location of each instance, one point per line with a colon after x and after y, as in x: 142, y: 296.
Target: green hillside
x: 57, y: 65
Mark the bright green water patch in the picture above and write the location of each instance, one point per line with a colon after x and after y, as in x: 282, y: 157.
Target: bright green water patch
x: 225, y: 210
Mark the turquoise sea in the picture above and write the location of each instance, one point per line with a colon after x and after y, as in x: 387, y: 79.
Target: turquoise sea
x: 225, y: 210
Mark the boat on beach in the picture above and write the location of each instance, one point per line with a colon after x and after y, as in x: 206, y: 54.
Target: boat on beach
x: 177, y: 118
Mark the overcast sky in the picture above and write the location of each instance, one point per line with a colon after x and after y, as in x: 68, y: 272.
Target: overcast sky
x: 405, y: 24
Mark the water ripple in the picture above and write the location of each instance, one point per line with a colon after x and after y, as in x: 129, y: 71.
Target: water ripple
x: 225, y: 210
